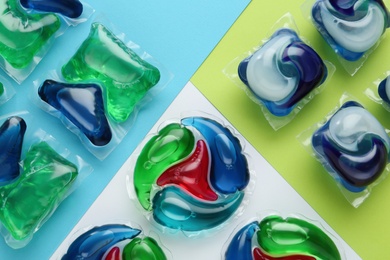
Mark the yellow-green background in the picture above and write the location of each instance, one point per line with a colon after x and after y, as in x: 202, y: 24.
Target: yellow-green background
x: 367, y: 228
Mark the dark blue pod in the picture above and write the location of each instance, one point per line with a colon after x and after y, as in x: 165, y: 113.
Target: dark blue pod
x: 11, y: 140
x: 382, y: 91
x: 353, y: 145
x: 82, y: 104
x: 282, y: 72
x: 68, y: 8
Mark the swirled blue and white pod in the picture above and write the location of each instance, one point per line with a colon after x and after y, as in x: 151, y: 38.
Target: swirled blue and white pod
x: 282, y: 72
x: 350, y: 27
x: 353, y: 146
x: 384, y: 90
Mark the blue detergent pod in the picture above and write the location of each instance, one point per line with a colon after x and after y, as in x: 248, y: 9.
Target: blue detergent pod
x: 353, y: 146
x: 11, y: 140
x: 68, y: 8
x: 350, y: 27
x: 282, y: 72
x: 82, y: 104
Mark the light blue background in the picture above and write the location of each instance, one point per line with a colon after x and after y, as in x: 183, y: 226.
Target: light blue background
x: 179, y: 34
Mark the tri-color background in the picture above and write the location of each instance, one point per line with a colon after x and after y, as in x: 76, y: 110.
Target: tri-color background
x: 195, y: 41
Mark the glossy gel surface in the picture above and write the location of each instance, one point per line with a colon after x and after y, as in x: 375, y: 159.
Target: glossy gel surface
x: 104, y: 58
x: 173, y: 143
x: 229, y: 167
x: 11, y: 140
x: 94, y: 243
x: 282, y: 72
x: 384, y: 90
x: 45, y: 180
x: 114, y: 242
x: 350, y: 27
x: 69, y: 8
x: 81, y: 104
x: 143, y: 248
x: 353, y: 146
x: 198, y: 170
x: 23, y: 35
x: 284, y: 239
x: 240, y: 246
x: 176, y: 209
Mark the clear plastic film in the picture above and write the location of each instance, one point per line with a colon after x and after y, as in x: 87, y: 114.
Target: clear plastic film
x: 28, y: 33
x: 352, y: 29
x: 379, y: 90
x: 119, y: 240
x: 282, y: 74
x: 98, y: 92
x: 271, y: 235
x: 192, y: 176
x: 7, y: 90
x: 353, y: 147
x: 38, y: 174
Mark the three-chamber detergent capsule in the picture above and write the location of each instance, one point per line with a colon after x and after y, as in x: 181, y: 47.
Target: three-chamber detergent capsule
x: 114, y: 241
x: 275, y: 238
x: 191, y: 175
